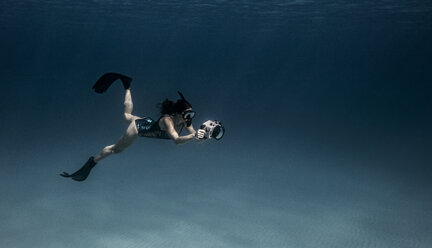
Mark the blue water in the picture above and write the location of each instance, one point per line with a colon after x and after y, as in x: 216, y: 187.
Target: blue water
x: 326, y: 106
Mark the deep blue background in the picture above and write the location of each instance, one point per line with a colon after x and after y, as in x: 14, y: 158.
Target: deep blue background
x: 326, y: 105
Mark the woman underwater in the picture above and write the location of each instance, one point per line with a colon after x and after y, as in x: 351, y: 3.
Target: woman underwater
x: 174, y: 117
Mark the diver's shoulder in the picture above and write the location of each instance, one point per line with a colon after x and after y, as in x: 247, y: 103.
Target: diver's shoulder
x: 165, y: 119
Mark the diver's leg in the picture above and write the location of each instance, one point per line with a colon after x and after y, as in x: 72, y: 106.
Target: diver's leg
x: 128, y: 107
x: 126, y: 140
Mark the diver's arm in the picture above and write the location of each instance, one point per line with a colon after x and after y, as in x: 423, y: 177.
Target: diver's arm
x: 174, y: 135
x: 190, y: 129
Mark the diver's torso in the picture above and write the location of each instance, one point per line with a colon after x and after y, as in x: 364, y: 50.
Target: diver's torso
x: 177, y: 127
x: 149, y: 128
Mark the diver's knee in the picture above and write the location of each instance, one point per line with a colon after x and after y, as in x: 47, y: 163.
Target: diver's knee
x: 129, y: 117
x: 108, y: 149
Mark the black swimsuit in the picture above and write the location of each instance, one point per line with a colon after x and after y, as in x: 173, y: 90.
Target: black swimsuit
x: 149, y: 128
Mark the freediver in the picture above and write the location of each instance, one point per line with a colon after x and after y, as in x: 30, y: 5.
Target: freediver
x: 174, y: 117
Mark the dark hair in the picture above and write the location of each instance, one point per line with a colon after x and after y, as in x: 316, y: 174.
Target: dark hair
x: 168, y: 107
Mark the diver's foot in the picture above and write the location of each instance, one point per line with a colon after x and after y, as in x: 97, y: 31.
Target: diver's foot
x: 126, y: 82
x: 81, y: 174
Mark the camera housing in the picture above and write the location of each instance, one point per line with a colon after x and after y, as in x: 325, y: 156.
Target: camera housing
x: 213, y: 129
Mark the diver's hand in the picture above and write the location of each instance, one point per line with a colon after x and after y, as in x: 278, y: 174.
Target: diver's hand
x: 200, y: 134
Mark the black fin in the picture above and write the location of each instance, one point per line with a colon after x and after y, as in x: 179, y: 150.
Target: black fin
x: 83, y: 172
x: 65, y: 174
x: 104, y: 82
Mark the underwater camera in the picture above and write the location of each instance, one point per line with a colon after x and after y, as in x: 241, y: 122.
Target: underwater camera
x: 213, y: 129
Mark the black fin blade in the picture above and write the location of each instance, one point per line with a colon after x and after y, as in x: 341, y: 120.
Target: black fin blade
x: 104, y: 82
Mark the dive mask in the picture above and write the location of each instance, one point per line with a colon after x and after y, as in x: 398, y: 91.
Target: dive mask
x: 188, y: 115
